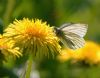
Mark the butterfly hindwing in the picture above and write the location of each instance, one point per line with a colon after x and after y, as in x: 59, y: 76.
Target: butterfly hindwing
x: 72, y: 41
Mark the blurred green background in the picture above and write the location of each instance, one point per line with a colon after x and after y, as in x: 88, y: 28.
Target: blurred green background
x: 55, y: 12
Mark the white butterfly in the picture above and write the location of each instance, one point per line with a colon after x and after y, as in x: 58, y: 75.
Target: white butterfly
x: 71, y: 35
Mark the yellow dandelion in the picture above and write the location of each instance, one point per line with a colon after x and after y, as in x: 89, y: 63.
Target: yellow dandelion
x: 67, y: 54
x: 33, y: 36
x: 6, y: 48
x: 90, y: 53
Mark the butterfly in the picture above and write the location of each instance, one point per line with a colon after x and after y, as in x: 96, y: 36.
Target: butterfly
x: 71, y: 34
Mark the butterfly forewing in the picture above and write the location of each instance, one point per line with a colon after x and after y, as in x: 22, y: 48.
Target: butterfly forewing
x: 79, y: 29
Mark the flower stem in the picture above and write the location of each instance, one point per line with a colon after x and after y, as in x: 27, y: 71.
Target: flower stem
x: 8, y: 11
x: 29, y: 67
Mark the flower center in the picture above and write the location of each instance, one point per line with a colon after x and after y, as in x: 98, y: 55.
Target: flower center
x: 35, y: 32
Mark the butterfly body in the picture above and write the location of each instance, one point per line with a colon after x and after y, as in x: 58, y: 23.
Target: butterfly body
x: 71, y: 35
x: 58, y: 32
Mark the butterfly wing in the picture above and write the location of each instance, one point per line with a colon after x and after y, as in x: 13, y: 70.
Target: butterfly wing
x: 72, y: 41
x: 73, y: 35
x: 65, y: 25
x: 79, y: 29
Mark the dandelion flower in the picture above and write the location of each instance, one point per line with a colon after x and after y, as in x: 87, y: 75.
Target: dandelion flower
x: 6, y: 48
x: 90, y: 53
x: 33, y: 36
x: 67, y: 54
